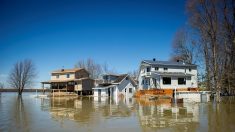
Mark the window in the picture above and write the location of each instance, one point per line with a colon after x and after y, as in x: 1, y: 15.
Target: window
x: 166, y: 80
x: 156, y: 68
x: 68, y: 75
x: 148, y: 69
x: 189, y: 69
x: 142, y: 81
x: 181, y: 81
x: 126, y: 78
x: 130, y: 90
x: 57, y: 76
x: 165, y: 69
x: 146, y: 82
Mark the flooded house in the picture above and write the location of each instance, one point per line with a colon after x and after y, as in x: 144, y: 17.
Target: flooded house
x: 155, y: 74
x: 116, y: 86
x: 71, y: 80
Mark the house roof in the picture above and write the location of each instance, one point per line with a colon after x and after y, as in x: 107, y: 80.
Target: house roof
x: 118, y: 81
x: 168, y: 63
x: 67, y: 70
x: 173, y: 74
x: 120, y: 78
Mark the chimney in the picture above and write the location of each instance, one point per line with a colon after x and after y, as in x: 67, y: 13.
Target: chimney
x: 154, y: 59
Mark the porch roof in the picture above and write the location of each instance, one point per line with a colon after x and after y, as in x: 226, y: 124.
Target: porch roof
x: 63, y: 81
x: 173, y: 74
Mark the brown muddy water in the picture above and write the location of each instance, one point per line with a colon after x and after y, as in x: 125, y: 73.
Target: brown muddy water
x: 29, y: 114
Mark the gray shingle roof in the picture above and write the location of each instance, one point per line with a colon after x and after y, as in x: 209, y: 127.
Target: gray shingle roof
x: 168, y: 63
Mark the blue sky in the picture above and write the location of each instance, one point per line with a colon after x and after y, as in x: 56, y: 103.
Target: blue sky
x: 58, y: 33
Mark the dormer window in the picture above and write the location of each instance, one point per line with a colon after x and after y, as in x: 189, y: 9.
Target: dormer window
x: 68, y: 75
x: 165, y: 69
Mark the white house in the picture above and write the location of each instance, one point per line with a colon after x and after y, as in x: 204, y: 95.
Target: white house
x: 167, y: 75
x: 116, y: 86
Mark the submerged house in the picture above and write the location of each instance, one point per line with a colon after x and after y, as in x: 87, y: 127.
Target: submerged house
x: 71, y: 80
x: 167, y: 75
x: 116, y: 86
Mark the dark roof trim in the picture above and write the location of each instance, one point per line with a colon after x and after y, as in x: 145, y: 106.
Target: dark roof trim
x: 168, y: 63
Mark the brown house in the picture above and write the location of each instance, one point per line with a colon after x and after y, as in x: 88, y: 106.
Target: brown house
x: 71, y: 80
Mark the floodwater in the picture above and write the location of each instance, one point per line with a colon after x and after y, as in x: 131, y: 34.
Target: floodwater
x: 28, y: 114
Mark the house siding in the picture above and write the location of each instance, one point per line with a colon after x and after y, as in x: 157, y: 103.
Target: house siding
x: 146, y: 79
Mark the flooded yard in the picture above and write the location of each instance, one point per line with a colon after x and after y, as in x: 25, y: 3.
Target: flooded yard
x: 104, y: 114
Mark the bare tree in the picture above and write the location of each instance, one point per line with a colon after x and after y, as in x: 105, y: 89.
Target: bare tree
x: 1, y: 85
x: 107, y: 70
x: 22, y: 75
x: 91, y: 66
x: 184, y: 48
x: 133, y: 74
x: 214, y: 22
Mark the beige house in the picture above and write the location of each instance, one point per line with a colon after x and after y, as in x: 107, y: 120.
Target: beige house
x: 71, y: 80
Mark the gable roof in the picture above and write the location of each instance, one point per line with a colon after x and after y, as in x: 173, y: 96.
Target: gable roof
x: 168, y: 63
x: 68, y: 70
x: 120, y: 78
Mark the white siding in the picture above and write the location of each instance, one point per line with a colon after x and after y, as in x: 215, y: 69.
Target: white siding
x: 147, y: 77
x: 63, y: 76
x: 123, y: 88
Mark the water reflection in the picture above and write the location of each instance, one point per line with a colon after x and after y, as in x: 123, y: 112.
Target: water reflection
x: 151, y: 114
x: 163, y: 114
x: 106, y: 114
x: 18, y: 114
x: 84, y: 109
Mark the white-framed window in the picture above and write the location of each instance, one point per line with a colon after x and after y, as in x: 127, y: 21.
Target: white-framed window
x: 182, y: 81
x: 148, y: 69
x: 166, y: 80
x: 130, y: 90
x: 68, y: 75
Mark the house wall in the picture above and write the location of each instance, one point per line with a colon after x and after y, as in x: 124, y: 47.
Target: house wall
x: 123, y: 88
x: 78, y: 87
x: 63, y: 76
x: 88, y: 84
x: 103, y: 92
x: 81, y: 74
x: 174, y: 83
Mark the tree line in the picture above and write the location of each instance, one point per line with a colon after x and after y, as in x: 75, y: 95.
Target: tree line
x: 208, y: 39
